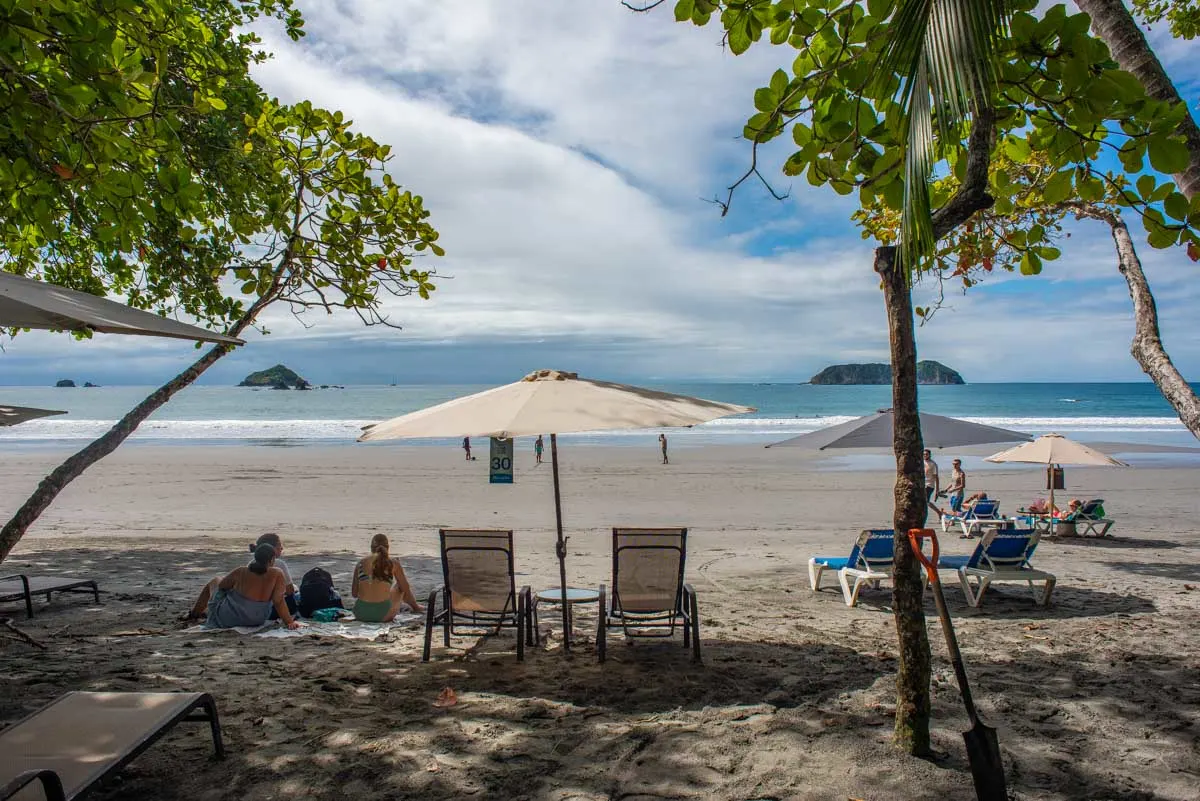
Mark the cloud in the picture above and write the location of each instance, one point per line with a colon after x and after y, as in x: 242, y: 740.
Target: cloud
x: 565, y: 150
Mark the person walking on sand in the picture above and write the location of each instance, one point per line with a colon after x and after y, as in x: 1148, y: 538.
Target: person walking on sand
x: 467, y: 447
x: 662, y: 441
x: 958, y: 486
x: 931, y: 477
x: 538, y: 447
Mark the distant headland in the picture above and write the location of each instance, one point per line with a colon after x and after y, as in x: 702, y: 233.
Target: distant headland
x: 277, y: 377
x: 928, y: 372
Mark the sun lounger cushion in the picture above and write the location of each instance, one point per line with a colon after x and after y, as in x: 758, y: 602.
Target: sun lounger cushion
x: 83, y: 737
x: 1002, y: 555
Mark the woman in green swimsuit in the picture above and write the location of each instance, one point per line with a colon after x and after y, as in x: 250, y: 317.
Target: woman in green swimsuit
x: 380, y: 586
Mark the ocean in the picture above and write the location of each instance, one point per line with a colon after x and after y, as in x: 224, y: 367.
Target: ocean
x: 200, y: 415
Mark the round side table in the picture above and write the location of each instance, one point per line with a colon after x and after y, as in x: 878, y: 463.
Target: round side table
x: 575, y: 595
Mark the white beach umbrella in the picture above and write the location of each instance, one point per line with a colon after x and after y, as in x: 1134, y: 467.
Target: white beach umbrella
x: 26, y: 303
x: 555, y: 402
x: 1055, y: 449
x: 14, y: 415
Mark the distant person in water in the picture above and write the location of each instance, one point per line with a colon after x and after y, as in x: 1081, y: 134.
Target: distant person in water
x: 200, y: 608
x: 538, y: 447
x: 467, y: 447
x: 662, y: 441
x: 247, y: 595
x: 380, y: 586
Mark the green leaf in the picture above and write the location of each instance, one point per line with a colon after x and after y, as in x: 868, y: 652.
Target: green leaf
x: 1059, y: 187
x: 1177, y: 206
x: 1168, y: 154
x: 1031, y: 263
x: 684, y: 10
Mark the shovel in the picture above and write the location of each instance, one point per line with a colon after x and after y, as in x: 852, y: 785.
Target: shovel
x: 983, y: 747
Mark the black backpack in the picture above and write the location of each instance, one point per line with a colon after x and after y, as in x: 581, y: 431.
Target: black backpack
x: 317, y: 592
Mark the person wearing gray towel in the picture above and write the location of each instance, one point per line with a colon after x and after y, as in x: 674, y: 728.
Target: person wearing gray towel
x: 247, y: 595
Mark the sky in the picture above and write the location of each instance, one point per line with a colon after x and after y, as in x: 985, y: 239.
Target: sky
x: 569, y: 153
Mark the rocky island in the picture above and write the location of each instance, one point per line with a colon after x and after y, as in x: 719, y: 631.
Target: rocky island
x: 64, y: 382
x: 928, y: 372
x: 277, y: 377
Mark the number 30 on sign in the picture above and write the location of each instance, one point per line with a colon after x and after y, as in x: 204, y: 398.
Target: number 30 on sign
x: 501, y: 462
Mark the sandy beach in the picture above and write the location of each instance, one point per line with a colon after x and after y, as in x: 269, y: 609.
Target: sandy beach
x: 1095, y: 697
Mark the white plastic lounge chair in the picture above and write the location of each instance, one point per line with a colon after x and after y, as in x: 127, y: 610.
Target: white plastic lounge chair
x: 80, y: 739
x: 22, y: 588
x: 1002, y: 555
x: 1090, y: 520
x: 870, y: 562
x: 983, y: 515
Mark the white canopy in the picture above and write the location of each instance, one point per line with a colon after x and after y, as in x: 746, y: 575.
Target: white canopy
x: 1056, y: 449
x: 550, y: 401
x: 26, y: 303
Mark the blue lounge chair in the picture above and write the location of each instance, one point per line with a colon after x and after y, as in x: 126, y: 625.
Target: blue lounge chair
x: 1002, y: 555
x: 984, y: 514
x: 870, y: 561
x: 1090, y: 520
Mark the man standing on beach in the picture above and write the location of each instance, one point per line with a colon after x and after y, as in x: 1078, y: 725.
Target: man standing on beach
x: 958, y: 486
x: 662, y: 440
x: 538, y: 447
x: 931, y: 477
x: 467, y: 447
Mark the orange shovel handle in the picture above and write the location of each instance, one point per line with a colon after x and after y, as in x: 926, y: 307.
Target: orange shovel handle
x: 914, y: 539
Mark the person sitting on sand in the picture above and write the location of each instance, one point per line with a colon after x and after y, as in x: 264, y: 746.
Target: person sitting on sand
x: 200, y: 608
x: 380, y: 586
x: 246, y: 596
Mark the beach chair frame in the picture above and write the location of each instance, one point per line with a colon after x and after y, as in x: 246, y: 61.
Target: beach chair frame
x: 683, y: 612
x: 984, y: 569
x: 868, y: 568
x: 516, y: 613
x: 44, y: 585
x: 192, y: 708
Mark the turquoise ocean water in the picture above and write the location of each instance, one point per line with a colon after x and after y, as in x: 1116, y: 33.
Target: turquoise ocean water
x: 1133, y: 412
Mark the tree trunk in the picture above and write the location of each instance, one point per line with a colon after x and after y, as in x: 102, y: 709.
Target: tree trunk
x: 1147, y: 347
x: 908, y: 602
x: 73, y: 467
x: 1113, y: 23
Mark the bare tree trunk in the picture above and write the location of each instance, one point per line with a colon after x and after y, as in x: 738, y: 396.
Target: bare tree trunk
x: 1113, y: 23
x: 73, y: 467
x: 908, y: 604
x: 1147, y: 347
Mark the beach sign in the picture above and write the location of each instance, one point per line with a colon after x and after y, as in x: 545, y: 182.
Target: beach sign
x: 501, y: 467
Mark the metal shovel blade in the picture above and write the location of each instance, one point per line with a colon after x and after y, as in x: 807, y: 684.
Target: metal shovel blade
x: 983, y: 754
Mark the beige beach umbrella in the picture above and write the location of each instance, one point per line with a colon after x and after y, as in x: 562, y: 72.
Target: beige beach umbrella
x: 556, y: 402
x: 26, y: 303
x: 1055, y: 449
x: 15, y: 415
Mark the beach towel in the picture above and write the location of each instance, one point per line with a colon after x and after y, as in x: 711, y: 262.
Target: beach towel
x: 347, y: 628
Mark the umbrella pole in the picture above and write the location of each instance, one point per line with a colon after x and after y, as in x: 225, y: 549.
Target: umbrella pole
x: 561, y: 546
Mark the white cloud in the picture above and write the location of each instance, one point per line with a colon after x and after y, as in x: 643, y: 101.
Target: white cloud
x: 563, y: 149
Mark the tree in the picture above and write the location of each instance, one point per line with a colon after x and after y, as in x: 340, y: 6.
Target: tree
x: 1113, y: 22
x: 115, y: 113
x: 333, y: 231
x: 1057, y: 95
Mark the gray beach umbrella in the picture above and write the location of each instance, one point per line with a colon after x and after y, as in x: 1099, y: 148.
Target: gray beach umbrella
x: 14, y: 415
x: 26, y: 303
x: 875, y: 431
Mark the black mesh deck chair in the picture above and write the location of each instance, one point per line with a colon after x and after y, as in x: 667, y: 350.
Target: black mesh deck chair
x: 480, y: 595
x: 649, y: 597
x: 68, y: 747
x: 22, y: 588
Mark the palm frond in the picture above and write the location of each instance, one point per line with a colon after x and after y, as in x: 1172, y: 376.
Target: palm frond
x: 946, y: 54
